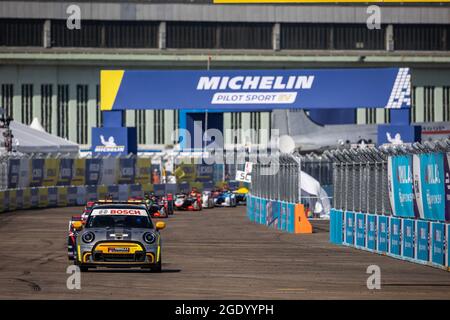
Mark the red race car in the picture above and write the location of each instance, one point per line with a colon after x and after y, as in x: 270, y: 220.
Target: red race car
x: 189, y: 202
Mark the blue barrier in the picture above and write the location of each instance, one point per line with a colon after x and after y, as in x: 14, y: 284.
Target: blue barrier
x: 408, y: 230
x: 395, y: 236
x: 360, y: 230
x: 448, y: 246
x: 383, y: 234
x: 349, y: 228
x: 291, y: 218
x: 263, y: 211
x: 333, y: 223
x: 423, y: 245
x: 437, y: 243
x: 372, y: 232
x: 336, y: 226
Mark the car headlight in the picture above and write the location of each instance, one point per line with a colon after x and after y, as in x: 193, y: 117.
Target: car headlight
x: 88, y: 237
x: 149, y: 237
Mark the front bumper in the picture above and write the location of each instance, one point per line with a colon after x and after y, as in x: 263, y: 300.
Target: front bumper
x: 119, y: 254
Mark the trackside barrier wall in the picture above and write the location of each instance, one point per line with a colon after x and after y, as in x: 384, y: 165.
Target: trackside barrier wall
x: 407, y: 239
x: 61, y: 196
x: 280, y: 215
x: 393, y: 200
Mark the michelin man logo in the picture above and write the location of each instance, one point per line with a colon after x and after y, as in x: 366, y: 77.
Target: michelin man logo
x: 109, y: 143
x: 396, y: 140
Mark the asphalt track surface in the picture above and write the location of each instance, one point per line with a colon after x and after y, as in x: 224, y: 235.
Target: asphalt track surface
x: 212, y: 254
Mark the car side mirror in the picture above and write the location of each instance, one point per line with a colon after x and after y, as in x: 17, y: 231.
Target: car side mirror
x: 160, y: 225
x: 77, y: 225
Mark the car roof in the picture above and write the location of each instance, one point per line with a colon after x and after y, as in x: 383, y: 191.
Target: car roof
x: 120, y: 206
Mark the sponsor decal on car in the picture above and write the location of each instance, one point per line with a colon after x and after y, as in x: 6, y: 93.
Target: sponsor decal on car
x: 133, y: 212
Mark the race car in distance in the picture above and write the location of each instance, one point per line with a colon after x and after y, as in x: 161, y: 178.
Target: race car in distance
x: 189, y: 202
x: 241, y: 195
x: 224, y: 198
x: 87, y: 210
x: 207, y: 200
x: 119, y: 235
x: 159, y: 206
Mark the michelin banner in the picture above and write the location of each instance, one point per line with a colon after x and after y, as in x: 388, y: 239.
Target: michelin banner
x: 401, y: 190
x: 255, y: 89
x: 429, y: 183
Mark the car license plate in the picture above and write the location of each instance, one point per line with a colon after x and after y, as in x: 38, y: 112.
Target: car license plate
x: 115, y: 250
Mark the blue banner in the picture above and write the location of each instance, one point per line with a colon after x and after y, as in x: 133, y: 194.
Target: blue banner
x: 350, y: 228
x: 37, y: 172
x: 430, y: 185
x: 13, y: 173
x: 383, y: 231
x: 249, y: 90
x: 52, y: 196
x: 72, y: 196
x: 394, y: 239
x: 437, y: 243
x: 34, y: 198
x: 113, y: 191
x: 361, y: 229
x: 92, y: 174
x: 126, y: 171
x: 114, y: 140
x: 401, y: 190
x: 408, y: 238
x: 422, y: 246
x: 65, y: 172
x: 372, y: 231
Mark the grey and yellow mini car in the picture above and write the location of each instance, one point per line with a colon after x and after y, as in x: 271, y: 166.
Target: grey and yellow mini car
x: 119, y: 235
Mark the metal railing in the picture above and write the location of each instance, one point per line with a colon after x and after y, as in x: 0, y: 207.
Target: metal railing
x: 360, y: 178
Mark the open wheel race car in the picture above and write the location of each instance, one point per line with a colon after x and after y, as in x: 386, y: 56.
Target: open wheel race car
x: 207, y: 200
x: 224, y: 198
x: 189, y: 202
x: 118, y: 235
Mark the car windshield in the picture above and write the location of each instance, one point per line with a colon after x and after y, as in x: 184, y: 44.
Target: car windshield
x: 116, y: 218
x: 119, y: 221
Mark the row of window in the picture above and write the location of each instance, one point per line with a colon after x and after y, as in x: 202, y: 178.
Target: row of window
x: 427, y: 113
x: 210, y: 35
x: 62, y: 112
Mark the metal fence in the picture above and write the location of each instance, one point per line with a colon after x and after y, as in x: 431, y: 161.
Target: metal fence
x: 360, y: 178
x: 279, y: 177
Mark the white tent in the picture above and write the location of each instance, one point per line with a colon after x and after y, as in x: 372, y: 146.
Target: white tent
x: 29, y: 140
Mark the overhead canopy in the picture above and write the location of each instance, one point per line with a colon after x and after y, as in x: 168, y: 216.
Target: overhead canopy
x: 29, y: 140
x: 247, y: 90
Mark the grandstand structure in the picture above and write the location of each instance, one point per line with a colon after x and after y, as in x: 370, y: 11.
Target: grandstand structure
x: 52, y: 72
